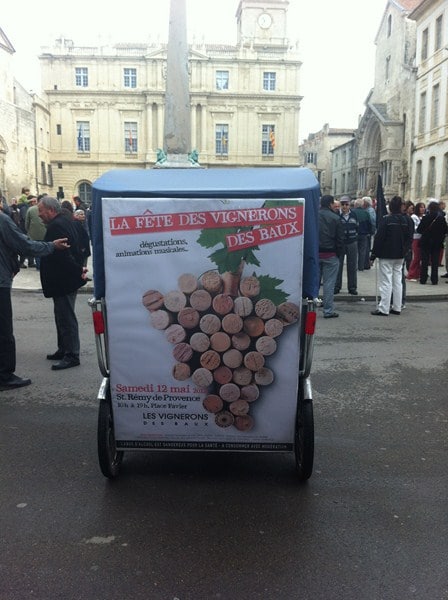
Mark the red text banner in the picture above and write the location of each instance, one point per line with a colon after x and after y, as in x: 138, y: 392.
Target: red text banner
x: 284, y: 221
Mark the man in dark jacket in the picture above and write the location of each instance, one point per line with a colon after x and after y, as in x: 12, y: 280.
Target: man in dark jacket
x: 12, y: 243
x: 349, y: 222
x: 61, y: 276
x: 331, y: 240
x: 390, y: 245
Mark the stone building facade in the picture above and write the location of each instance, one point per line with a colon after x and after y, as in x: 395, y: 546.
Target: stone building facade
x: 315, y: 153
x: 385, y: 131
x: 24, y: 133
x: 17, y: 165
x: 106, y: 104
x: 344, y: 171
x: 429, y: 146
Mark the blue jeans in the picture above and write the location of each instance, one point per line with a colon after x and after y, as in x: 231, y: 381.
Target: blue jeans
x: 329, y: 268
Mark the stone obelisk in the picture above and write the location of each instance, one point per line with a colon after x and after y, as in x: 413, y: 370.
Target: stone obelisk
x: 177, y: 123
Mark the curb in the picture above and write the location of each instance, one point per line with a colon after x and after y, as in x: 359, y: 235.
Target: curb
x: 338, y: 298
x: 409, y: 298
x: 83, y: 290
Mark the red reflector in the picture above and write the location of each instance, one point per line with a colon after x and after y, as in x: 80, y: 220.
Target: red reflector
x: 310, y: 323
x: 98, y: 322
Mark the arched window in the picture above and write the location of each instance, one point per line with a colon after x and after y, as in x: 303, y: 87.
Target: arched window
x: 85, y: 192
x: 389, y: 25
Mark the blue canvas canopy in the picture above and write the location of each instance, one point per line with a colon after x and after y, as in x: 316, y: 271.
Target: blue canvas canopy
x: 273, y: 182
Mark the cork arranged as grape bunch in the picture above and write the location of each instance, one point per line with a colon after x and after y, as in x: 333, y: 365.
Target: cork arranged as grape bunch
x: 223, y: 329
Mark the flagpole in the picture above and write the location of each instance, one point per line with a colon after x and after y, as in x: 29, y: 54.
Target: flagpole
x: 381, y: 211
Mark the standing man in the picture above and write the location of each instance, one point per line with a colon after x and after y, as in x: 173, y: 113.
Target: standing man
x: 79, y: 204
x: 364, y: 232
x: 12, y: 243
x: 22, y: 207
x: 4, y: 206
x: 34, y: 226
x: 61, y: 276
x: 390, y: 245
x: 349, y: 223
x: 368, y: 205
x: 331, y: 240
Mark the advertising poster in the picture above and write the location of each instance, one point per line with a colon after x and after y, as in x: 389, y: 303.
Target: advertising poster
x: 203, y: 302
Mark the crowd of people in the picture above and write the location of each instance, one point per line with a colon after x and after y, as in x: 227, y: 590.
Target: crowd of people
x: 41, y: 232
x: 409, y: 243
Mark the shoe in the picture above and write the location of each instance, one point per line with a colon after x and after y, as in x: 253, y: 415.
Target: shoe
x: 14, y: 382
x: 58, y: 355
x: 332, y: 315
x: 378, y: 313
x: 445, y: 275
x: 336, y: 291
x: 403, y: 306
x: 66, y: 363
x: 395, y: 312
x: 22, y: 266
x: 434, y: 282
x: 422, y: 282
x: 353, y: 293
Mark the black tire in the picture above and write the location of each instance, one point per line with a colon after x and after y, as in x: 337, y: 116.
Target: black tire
x: 304, y: 439
x: 109, y: 457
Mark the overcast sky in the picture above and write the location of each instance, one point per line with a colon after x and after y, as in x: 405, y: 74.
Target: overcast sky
x: 336, y: 42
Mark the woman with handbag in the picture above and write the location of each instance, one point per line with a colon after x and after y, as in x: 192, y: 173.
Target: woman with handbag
x: 414, y: 267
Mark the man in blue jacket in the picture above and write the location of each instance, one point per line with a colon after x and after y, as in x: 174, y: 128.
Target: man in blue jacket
x: 331, y: 239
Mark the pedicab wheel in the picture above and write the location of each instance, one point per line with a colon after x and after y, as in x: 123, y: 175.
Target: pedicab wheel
x: 109, y: 457
x: 304, y: 439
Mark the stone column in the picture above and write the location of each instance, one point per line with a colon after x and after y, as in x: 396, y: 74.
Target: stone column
x: 177, y: 119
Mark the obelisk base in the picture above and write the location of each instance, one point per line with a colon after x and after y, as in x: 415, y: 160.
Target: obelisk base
x: 177, y: 161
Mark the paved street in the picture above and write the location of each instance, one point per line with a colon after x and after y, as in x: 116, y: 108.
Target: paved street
x: 371, y: 524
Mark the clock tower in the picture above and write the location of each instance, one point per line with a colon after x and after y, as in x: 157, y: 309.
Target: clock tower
x: 262, y: 22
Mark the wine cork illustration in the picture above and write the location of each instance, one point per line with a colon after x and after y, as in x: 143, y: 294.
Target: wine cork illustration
x: 222, y: 329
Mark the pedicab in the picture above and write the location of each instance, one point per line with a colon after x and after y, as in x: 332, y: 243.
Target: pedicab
x: 204, y: 311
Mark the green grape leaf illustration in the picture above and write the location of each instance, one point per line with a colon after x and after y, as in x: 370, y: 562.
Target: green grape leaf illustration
x: 227, y: 261
x: 268, y: 289
x: 209, y: 238
x: 223, y: 259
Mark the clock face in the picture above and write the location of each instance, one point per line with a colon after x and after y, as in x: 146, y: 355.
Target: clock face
x: 264, y: 20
